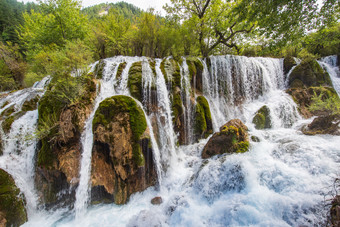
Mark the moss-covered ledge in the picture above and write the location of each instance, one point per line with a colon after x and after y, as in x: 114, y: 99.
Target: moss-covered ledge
x: 12, y: 204
x: 203, y: 122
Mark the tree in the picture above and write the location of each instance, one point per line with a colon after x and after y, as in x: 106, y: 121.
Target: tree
x: 57, y: 22
x: 218, y: 22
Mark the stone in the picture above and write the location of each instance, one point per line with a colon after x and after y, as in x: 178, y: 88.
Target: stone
x: 288, y: 63
x: 202, y: 121
x: 328, y: 124
x: 309, y: 74
x: 232, y: 138
x: 122, y: 160
x: 157, y: 200
x: 262, y: 118
x: 335, y: 211
x: 12, y: 203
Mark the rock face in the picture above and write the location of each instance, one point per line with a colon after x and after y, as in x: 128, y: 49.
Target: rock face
x: 288, y: 64
x: 233, y: 137
x: 309, y: 73
x: 63, y: 110
x: 262, y: 118
x: 122, y: 161
x: 203, y: 123
x: 196, y: 70
x: 12, y: 205
x: 328, y: 124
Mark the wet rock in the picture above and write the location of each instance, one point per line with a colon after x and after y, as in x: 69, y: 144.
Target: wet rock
x: 328, y: 124
x: 232, y: 138
x: 12, y: 204
x: 308, y: 74
x: 262, y: 118
x: 335, y: 211
x: 303, y: 97
x: 196, y: 71
x: 122, y: 161
x: 288, y: 63
x: 203, y: 123
x: 99, y: 69
x: 157, y: 200
x: 60, y: 124
x: 255, y: 139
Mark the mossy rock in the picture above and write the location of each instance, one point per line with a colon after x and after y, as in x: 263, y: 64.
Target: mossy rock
x: 1, y: 146
x: 196, y: 71
x: 99, y: 69
x: 310, y: 73
x: 288, y: 63
x: 31, y: 104
x: 111, y: 107
x: 152, y: 63
x: 7, y: 123
x: 8, y: 111
x: 120, y: 70
x: 232, y: 138
x: 135, y: 80
x: 12, y: 204
x: 262, y: 118
x: 203, y: 122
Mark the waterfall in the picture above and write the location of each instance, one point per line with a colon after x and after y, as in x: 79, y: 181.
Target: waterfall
x: 283, y: 180
x: 187, y: 102
x: 19, y: 145
x: 330, y: 64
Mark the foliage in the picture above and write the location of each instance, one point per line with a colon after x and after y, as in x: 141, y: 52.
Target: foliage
x: 331, y: 104
x: 12, y: 67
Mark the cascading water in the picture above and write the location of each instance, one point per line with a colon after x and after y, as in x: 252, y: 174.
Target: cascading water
x: 330, y: 64
x: 19, y: 146
x: 282, y: 181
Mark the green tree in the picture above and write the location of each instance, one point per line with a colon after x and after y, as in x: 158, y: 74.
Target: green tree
x: 217, y: 22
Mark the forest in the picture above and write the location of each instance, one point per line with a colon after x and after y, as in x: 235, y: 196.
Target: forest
x: 59, y: 36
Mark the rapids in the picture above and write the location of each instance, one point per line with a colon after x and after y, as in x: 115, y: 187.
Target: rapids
x: 286, y: 179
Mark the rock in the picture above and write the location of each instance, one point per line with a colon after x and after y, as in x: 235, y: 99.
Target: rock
x: 12, y: 204
x: 122, y: 161
x: 99, y: 69
x: 121, y: 67
x: 328, y: 124
x: 308, y: 74
x: 288, y: 63
x: 232, y: 138
x: 335, y: 211
x: 196, y: 71
x: 61, y: 123
x: 178, y: 115
x: 135, y: 80
x: 255, y: 139
x: 303, y: 97
x: 262, y: 118
x: 202, y: 123
x: 157, y: 200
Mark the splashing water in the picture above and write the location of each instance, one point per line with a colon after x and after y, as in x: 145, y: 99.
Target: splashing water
x: 330, y: 64
x: 282, y: 181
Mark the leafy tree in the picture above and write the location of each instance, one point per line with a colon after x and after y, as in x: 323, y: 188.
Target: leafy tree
x: 217, y: 22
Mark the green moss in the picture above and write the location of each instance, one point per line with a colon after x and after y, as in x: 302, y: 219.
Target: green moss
x: 30, y: 105
x: 203, y: 122
x: 8, y: 111
x: 255, y: 139
x: 177, y: 106
x: 135, y: 80
x: 99, y: 69
x: 162, y: 66
x: 176, y: 73
x: 200, y: 122
x: 152, y: 63
x: 310, y: 73
x: 138, y: 155
x: 7, y: 123
x: 262, y: 118
x: 242, y: 147
x: 121, y: 67
x: 46, y: 157
x: 11, y: 204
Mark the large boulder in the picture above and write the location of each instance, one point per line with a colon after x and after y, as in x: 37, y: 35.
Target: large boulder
x: 328, y: 124
x: 203, y: 123
x: 12, y: 204
x: 122, y: 158
x: 309, y: 73
x: 63, y: 110
x: 262, y: 118
x: 232, y: 138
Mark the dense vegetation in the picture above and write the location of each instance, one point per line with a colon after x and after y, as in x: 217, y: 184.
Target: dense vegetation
x: 58, y: 36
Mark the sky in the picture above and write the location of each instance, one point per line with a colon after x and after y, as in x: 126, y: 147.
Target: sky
x: 143, y: 4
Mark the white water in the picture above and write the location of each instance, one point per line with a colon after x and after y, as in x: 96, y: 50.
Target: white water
x: 331, y: 65
x: 282, y: 181
x: 19, y: 145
